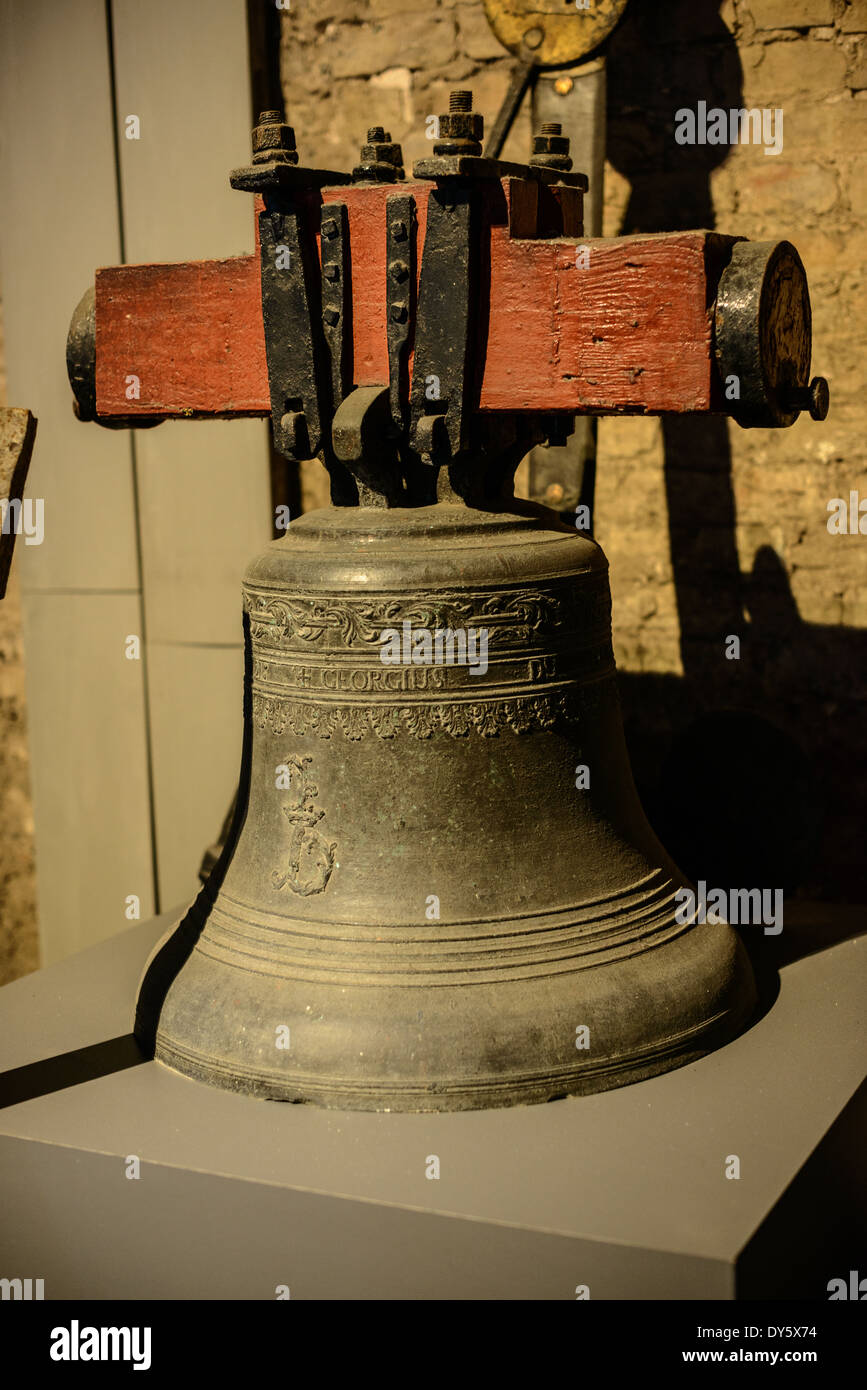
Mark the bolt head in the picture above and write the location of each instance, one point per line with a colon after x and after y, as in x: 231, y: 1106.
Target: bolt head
x: 398, y: 313
x: 534, y: 37
x: 329, y: 229
x: 399, y: 231
x: 399, y: 271
x: 331, y: 316
x: 273, y: 140
x: 331, y: 272
x: 550, y: 144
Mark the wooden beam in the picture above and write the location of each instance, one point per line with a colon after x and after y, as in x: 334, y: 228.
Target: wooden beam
x: 624, y: 328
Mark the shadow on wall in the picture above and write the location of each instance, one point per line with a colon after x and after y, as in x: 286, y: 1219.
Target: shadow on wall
x: 751, y: 771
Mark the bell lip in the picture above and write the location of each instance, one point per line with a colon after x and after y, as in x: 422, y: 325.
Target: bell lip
x: 480, y: 1093
x: 711, y: 963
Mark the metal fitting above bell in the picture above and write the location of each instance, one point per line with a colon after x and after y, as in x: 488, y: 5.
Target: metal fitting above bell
x: 551, y: 148
x: 461, y: 129
x: 273, y: 140
x: 381, y: 160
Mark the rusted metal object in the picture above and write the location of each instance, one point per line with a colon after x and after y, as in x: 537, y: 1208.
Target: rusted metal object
x: 762, y: 325
x: 461, y: 129
x: 17, y: 436
x: 274, y: 140
x: 401, y: 273
x: 334, y: 261
x: 553, y: 33
x: 551, y: 148
x: 543, y: 34
x: 381, y: 159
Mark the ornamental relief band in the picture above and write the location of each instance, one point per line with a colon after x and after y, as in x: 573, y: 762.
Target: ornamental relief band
x: 514, y: 618
x: 422, y: 719
x: 518, y: 690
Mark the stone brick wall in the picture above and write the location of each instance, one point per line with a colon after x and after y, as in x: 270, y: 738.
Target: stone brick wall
x: 711, y: 531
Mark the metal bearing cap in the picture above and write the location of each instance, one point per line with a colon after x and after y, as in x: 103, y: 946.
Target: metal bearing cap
x: 763, y: 332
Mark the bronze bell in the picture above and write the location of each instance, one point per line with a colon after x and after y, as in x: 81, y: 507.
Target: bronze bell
x: 443, y: 893
x: 439, y: 890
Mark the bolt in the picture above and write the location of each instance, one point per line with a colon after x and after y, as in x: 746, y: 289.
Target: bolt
x: 563, y: 86
x: 461, y: 129
x: 398, y: 270
x: 273, y: 140
x: 399, y: 231
x: 329, y: 229
x: 398, y: 313
x: 815, y: 398
x: 554, y: 493
x: 551, y: 148
x: 534, y: 37
x: 331, y: 316
x: 331, y: 272
x: 381, y: 160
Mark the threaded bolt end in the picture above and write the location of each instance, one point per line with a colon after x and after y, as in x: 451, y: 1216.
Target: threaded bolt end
x: 460, y: 101
x: 376, y: 135
x: 552, y: 128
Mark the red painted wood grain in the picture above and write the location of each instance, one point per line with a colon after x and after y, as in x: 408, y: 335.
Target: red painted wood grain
x: 629, y: 333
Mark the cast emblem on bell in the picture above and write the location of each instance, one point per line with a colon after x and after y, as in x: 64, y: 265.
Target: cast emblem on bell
x: 439, y: 882
x: 310, y: 858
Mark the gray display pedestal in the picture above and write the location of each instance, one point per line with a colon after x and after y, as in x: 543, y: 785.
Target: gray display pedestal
x: 625, y: 1193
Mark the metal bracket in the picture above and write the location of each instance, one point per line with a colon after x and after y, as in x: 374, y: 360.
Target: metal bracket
x: 335, y: 293
x: 400, y: 251
x: 358, y: 432
x: 292, y: 330
x: 441, y: 365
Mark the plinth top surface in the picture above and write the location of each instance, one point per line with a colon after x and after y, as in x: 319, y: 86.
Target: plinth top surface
x: 644, y: 1165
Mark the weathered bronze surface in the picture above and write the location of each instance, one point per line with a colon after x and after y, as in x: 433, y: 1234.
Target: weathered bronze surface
x: 420, y: 893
